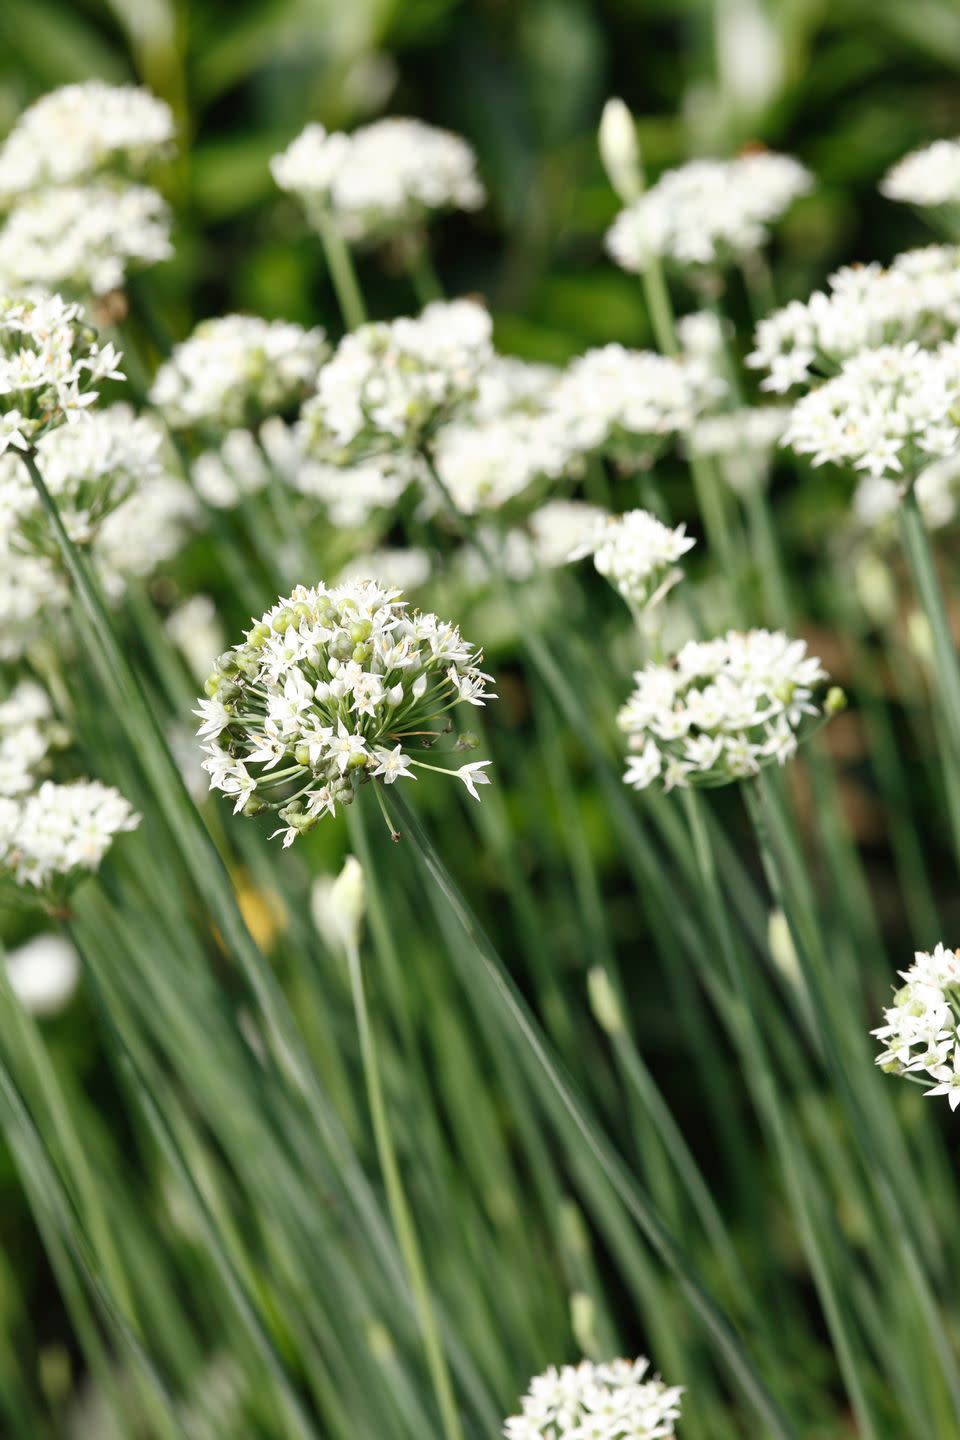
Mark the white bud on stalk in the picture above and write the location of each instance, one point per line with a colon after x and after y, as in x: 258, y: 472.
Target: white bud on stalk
x: 620, y: 151
x: 338, y: 906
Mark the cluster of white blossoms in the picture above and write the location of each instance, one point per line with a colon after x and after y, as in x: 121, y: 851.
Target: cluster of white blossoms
x: 638, y: 554
x: 390, y: 385
x: 742, y: 441
x: 382, y: 178
x: 877, y: 498
x: 237, y: 467
x: 30, y: 587
x: 619, y: 1400
x: 723, y: 709
x: 921, y: 1030
x: 50, y: 365
x: 59, y: 832
x: 89, y: 469
x: 81, y: 130
x: 28, y: 731
x: 484, y: 466
x: 613, y: 396
x: 917, y: 298
x: 348, y: 493
x: 927, y: 177
x: 708, y: 212
x: 237, y: 370
x: 329, y: 689
x: 83, y: 238
x: 888, y: 411
x: 145, y: 532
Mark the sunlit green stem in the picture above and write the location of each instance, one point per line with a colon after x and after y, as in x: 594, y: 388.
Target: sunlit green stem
x: 343, y: 275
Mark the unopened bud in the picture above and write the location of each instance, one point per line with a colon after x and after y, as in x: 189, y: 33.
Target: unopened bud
x: 604, y: 1001
x: 469, y: 740
x: 338, y: 906
x: 835, y: 701
x: 620, y: 151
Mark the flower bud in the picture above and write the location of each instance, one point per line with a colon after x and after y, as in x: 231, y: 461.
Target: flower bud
x: 604, y: 1001
x: 619, y: 150
x: 835, y: 701
x: 338, y: 906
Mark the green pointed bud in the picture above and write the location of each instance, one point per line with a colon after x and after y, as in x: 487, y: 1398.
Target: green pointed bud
x: 835, y: 702
x: 361, y: 652
x: 283, y: 620
x: 341, y: 647
x: 302, y: 755
x: 252, y: 806
x: 357, y: 762
x: 228, y: 692
x: 212, y: 684
x: 361, y: 630
x: 604, y: 1001
x: 258, y: 636
x: 469, y: 740
x: 302, y: 611
x: 227, y: 663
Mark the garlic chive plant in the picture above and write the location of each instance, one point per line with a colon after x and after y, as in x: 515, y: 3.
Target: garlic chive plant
x: 921, y: 1030
x: 51, y: 838
x: 333, y: 688
x: 613, y: 1400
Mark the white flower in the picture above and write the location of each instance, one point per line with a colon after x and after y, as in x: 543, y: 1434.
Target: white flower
x: 381, y: 178
x: 920, y: 1035
x: 638, y: 554
x: 927, y: 177
x: 236, y: 370
x: 708, y: 212
x: 619, y: 1400
x: 61, y: 831
x: 28, y: 731
x: 83, y: 239
x: 222, y: 477
x: 483, y: 466
x: 620, y: 151
x: 148, y: 529
x: 885, y: 412
x: 80, y: 130
x: 348, y: 493
x: 865, y: 306
x: 473, y: 775
x: 50, y: 363
x: 43, y: 973
x: 722, y: 709
x: 876, y: 499
x: 391, y: 384
x: 323, y: 696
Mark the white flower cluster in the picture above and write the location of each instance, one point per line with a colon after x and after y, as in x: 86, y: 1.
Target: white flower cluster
x: 916, y: 298
x: 638, y: 554
x: 927, y: 177
x: 83, y: 238
x: 30, y: 587
x: 348, y: 493
x: 237, y: 467
x: 619, y: 1400
x: 145, y: 532
x: 887, y: 412
x: 79, y: 130
x: 50, y: 364
x: 877, y: 498
x: 722, y: 709
x: 708, y: 212
x: 55, y: 835
x: 89, y: 469
x: 390, y: 384
x: 28, y: 731
x: 325, y: 692
x: 237, y: 370
x: 484, y: 466
x: 743, y: 441
x: 383, y: 177
x: 617, y: 396
x: 921, y: 1030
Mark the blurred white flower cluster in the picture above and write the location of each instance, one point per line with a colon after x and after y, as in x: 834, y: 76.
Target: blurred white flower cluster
x: 708, y: 212
x: 390, y: 384
x: 722, y: 709
x: 916, y: 298
x: 52, y: 837
x: 382, y: 178
x: 921, y: 1030
x: 888, y: 411
x: 28, y: 731
x: 50, y: 364
x: 235, y: 370
x: 638, y: 554
x: 742, y: 441
x: 77, y: 223
x: 927, y: 177
x: 877, y: 498
x: 619, y: 1400
x: 329, y: 686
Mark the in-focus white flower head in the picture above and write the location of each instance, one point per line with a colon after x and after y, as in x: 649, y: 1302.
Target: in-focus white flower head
x: 237, y: 370
x: 708, y: 212
x: 50, y: 365
x: 638, y: 554
x: 927, y: 177
x: 383, y: 177
x: 916, y: 298
x: 28, y: 732
x: 82, y: 240
x: 620, y: 150
x: 80, y: 130
x: 619, y: 1400
x: 43, y: 973
x: 920, y: 1035
x: 52, y: 837
x: 888, y: 412
x: 390, y: 385
x: 615, y: 396
x: 89, y: 469
x: 723, y: 709
x: 326, y: 692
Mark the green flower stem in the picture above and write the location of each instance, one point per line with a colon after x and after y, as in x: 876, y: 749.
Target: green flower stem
x: 916, y: 545
x: 343, y: 275
x: 400, y: 1212
x: 660, y: 308
x: 422, y: 271
x: 757, y: 1067
x: 589, y: 1140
